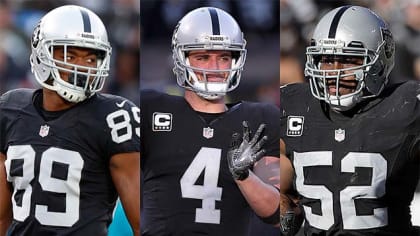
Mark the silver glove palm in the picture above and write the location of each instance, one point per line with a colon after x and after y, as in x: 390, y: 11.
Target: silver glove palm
x: 243, y: 154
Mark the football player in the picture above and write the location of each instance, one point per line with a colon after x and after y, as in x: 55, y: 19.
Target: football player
x: 351, y: 138
x: 67, y: 152
x: 196, y: 181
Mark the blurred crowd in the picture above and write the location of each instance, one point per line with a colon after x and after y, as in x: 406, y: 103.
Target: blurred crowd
x: 121, y: 17
x: 299, y: 17
x: 259, y: 20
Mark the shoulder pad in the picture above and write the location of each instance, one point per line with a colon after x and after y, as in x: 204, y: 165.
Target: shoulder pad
x: 17, y: 97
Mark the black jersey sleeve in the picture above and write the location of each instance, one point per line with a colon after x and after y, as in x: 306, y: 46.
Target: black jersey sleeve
x: 11, y: 100
x: 122, y: 122
x: 293, y: 97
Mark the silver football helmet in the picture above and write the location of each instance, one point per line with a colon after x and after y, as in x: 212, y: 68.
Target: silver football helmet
x: 351, y: 31
x: 70, y: 26
x: 208, y: 28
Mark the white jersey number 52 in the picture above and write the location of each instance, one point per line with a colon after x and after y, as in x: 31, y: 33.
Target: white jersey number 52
x: 348, y: 195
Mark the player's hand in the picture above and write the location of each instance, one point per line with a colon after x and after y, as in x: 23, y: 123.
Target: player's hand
x: 243, y: 154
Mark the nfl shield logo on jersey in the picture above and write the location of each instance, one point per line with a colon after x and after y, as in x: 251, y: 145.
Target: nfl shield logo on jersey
x: 340, y: 135
x: 43, y: 131
x: 208, y: 132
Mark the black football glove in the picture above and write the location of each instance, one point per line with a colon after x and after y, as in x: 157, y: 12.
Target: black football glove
x: 242, y: 155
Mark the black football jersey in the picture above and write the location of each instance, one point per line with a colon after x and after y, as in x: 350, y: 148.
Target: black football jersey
x: 356, y: 174
x: 188, y: 189
x: 59, y: 168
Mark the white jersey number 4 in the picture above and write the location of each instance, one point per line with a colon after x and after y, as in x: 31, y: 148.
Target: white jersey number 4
x: 207, y: 160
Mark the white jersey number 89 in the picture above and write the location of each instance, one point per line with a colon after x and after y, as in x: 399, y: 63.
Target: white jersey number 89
x: 23, y: 157
x: 120, y: 121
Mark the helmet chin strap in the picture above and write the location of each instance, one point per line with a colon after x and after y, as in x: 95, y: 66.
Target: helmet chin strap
x: 207, y: 96
x: 62, y: 88
x: 210, y: 96
x: 343, y: 104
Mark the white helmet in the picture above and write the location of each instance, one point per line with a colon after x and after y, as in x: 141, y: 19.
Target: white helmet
x: 208, y: 28
x: 355, y: 32
x: 70, y: 26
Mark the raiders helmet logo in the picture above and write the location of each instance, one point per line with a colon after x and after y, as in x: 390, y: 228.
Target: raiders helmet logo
x: 35, y: 36
x: 389, y: 46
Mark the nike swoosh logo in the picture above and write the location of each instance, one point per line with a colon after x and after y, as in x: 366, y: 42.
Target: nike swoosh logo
x: 120, y: 105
